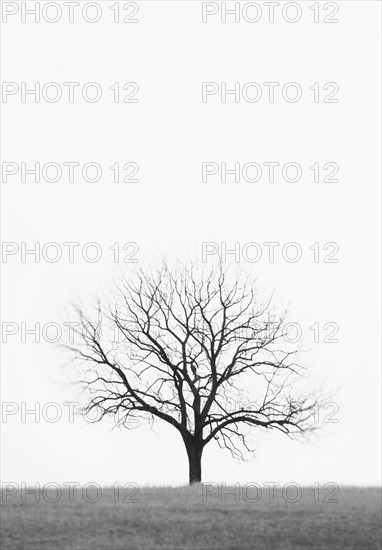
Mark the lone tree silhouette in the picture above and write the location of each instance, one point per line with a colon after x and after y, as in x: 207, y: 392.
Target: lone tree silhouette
x: 199, y: 351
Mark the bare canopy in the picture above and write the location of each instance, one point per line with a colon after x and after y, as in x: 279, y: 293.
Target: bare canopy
x: 196, y: 349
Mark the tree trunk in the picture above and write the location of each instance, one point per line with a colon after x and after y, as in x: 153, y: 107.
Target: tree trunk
x: 194, y: 453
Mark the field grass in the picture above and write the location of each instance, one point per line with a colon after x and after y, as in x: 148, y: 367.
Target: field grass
x: 188, y: 518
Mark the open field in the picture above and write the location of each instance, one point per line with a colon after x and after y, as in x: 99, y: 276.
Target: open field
x: 192, y: 518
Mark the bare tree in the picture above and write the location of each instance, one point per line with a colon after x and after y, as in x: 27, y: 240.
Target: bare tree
x: 199, y: 351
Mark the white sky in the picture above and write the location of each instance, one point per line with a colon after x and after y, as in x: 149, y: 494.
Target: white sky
x: 169, y: 134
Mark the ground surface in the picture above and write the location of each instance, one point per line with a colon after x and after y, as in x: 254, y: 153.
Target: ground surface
x: 189, y: 518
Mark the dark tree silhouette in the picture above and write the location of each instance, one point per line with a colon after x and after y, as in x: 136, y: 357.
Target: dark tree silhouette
x: 199, y: 351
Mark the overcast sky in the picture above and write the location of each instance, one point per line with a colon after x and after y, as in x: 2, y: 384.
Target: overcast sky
x: 171, y: 212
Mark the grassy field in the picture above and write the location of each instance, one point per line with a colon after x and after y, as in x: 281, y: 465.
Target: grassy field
x: 188, y: 518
